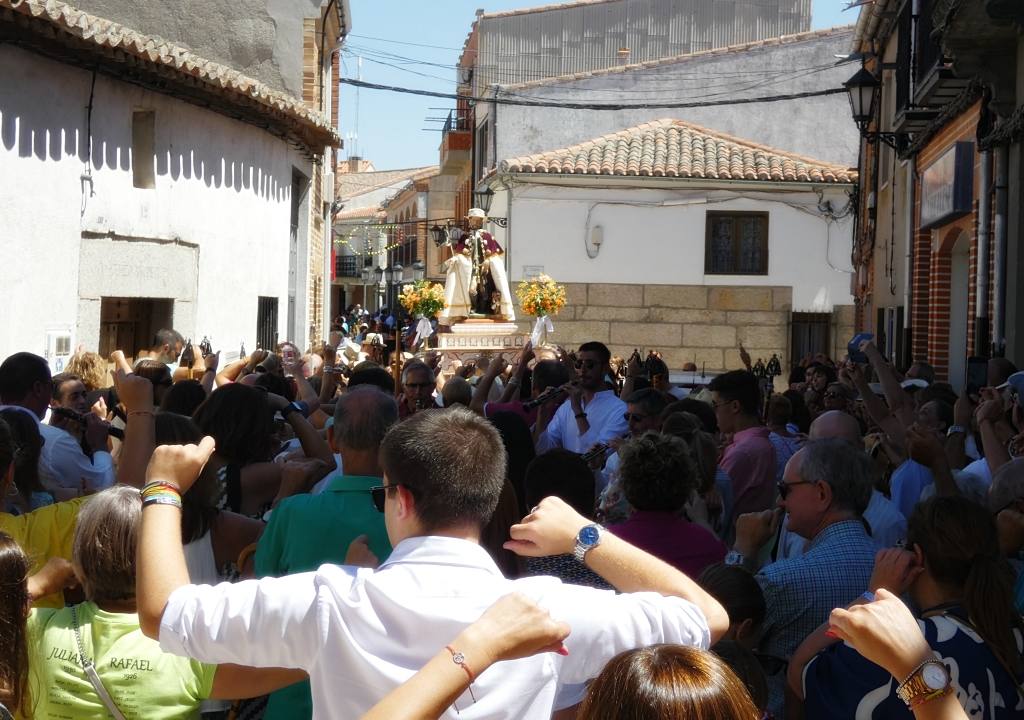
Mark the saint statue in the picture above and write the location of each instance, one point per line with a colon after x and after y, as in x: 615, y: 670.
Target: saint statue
x: 475, y: 281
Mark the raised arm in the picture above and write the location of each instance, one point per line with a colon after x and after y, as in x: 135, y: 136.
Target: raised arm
x: 513, y: 627
x: 483, y: 386
x: 891, y: 425
x: 136, y: 393
x: 989, y: 414
x: 551, y: 529
x: 313, y: 444
x: 160, y: 559
x: 900, y: 404
x: 212, y: 361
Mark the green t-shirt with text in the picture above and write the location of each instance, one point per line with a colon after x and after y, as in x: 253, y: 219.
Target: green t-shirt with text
x: 143, y: 681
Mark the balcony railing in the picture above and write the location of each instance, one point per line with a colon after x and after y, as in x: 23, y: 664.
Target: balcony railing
x: 457, y: 120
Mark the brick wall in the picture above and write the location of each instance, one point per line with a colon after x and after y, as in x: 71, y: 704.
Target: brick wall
x: 930, y: 312
x: 686, y: 323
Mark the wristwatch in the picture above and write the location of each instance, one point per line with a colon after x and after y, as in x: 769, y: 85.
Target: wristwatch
x: 956, y: 429
x: 588, y: 538
x: 734, y: 557
x: 293, y: 407
x: 929, y: 680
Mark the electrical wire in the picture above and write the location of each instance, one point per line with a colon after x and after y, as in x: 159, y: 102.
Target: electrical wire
x: 593, y: 106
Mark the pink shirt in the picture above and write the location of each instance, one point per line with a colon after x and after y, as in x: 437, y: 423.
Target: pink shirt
x: 750, y: 462
x: 682, y: 544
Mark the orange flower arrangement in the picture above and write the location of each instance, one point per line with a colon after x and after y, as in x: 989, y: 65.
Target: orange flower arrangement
x: 423, y: 298
x: 541, y: 296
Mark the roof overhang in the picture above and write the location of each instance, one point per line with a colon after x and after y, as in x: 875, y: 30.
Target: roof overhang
x: 649, y: 182
x: 64, y: 33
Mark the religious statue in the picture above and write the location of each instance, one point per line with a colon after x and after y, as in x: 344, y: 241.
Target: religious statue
x: 475, y: 281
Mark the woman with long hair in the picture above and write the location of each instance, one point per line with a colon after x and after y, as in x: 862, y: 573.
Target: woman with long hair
x: 955, y: 575
x: 26, y: 493
x: 14, y: 599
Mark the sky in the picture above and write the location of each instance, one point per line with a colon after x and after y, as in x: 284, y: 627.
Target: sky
x: 392, y: 129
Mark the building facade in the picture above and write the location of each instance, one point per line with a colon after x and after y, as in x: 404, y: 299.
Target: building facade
x: 157, y: 188
x: 682, y: 239
x: 937, y: 250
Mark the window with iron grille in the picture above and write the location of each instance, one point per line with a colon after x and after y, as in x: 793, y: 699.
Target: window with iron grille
x: 736, y: 243
x: 266, y: 323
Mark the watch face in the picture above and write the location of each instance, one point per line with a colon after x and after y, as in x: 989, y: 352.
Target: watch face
x: 589, y: 535
x: 934, y: 676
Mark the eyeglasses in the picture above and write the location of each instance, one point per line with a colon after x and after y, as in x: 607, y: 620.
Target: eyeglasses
x: 833, y: 395
x: 630, y: 417
x: 586, y: 364
x: 785, y: 487
x: 378, y: 493
x: 417, y: 386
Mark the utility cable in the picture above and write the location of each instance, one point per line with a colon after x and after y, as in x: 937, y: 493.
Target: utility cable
x: 593, y: 106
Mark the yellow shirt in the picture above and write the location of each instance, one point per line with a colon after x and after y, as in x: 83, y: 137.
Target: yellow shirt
x: 45, y: 533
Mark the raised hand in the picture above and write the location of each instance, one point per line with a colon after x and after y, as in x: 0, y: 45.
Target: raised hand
x: 513, y: 627
x: 549, y: 529
x: 179, y: 465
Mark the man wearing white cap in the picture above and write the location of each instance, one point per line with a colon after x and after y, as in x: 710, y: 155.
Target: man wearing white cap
x: 475, y: 279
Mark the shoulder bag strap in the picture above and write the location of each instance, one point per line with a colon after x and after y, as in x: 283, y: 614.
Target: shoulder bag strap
x: 91, y: 674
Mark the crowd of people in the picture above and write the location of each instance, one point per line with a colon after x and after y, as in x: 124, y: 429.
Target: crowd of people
x: 322, y: 534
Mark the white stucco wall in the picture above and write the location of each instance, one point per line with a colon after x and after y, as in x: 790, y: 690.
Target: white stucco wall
x: 213, y: 234
x: 658, y: 237
x: 819, y: 127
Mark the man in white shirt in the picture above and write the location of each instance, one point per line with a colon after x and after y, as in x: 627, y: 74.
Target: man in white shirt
x: 25, y: 382
x: 360, y: 633
x: 594, y: 414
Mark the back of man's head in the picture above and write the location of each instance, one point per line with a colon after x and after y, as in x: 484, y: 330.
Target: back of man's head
x: 780, y: 410
x: 457, y: 391
x: 362, y: 417
x: 837, y: 424
x: 451, y: 461
x: 19, y: 374
x: 168, y: 337
x: 1007, y: 486
x: 549, y: 373
x: 741, y: 386
x: 841, y: 466
x: 370, y: 373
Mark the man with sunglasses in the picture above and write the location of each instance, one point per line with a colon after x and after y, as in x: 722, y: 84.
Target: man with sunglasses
x: 594, y: 414
x: 825, y: 490
x: 360, y: 633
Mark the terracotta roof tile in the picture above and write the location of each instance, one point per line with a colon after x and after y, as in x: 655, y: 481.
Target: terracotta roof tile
x: 673, y: 59
x: 350, y: 185
x: 675, y: 148
x: 67, y: 24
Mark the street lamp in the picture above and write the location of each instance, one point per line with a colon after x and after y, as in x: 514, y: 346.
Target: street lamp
x: 863, y: 91
x: 482, y: 199
x: 419, y: 270
x: 439, y: 235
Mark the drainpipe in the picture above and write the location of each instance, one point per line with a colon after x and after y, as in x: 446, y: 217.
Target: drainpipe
x: 981, y: 320
x: 907, y: 355
x: 999, y: 277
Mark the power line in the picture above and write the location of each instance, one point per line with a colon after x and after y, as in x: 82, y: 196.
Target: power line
x: 593, y: 106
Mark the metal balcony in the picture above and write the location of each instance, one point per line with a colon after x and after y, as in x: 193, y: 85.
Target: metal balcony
x: 456, y: 143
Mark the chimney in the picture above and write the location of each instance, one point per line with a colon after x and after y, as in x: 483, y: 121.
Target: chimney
x: 354, y: 161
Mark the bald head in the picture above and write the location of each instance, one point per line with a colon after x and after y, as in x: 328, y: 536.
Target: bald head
x: 457, y: 391
x: 362, y: 417
x: 837, y: 424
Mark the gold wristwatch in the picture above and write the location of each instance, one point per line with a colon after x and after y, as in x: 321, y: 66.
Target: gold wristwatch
x: 929, y: 680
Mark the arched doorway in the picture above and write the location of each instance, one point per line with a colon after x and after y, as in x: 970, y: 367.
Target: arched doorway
x: 959, y: 308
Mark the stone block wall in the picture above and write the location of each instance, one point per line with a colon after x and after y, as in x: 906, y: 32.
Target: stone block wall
x: 686, y: 323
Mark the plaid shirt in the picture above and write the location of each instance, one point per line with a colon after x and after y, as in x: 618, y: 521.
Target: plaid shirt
x: 800, y: 593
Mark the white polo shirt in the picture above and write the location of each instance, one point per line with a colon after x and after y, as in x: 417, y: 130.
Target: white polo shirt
x: 360, y: 633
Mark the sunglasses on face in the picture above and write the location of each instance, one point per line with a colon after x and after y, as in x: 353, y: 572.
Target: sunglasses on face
x: 785, y: 487
x: 378, y: 493
x: 630, y: 417
x: 586, y: 364
x: 833, y: 396
x: 417, y: 386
